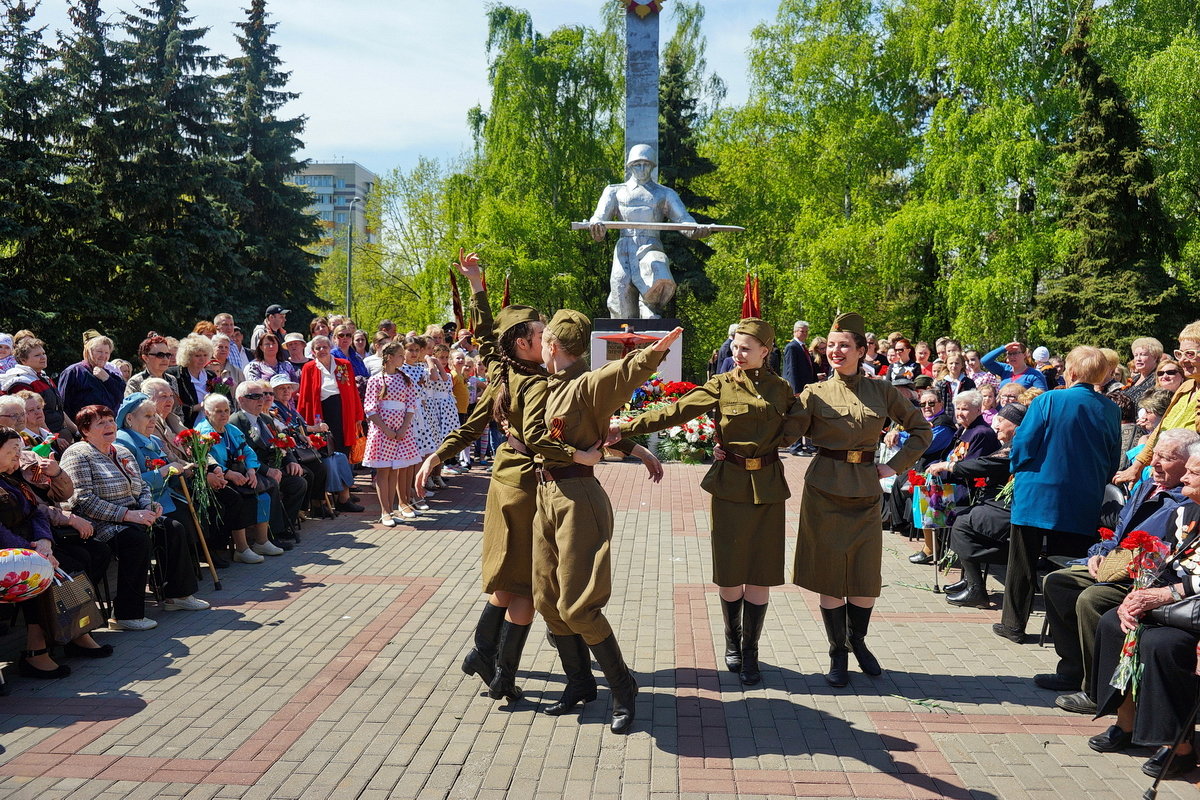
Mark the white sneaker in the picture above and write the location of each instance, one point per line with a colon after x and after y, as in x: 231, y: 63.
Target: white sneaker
x: 189, y: 603
x: 142, y: 624
x: 267, y: 549
x: 248, y: 556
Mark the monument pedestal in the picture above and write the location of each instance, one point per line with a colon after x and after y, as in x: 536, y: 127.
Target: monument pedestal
x: 602, y: 351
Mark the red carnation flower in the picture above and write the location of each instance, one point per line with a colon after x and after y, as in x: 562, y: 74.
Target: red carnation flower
x: 1107, y: 534
x: 980, y: 483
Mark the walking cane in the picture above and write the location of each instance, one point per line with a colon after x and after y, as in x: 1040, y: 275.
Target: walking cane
x: 1152, y: 792
x: 200, y: 534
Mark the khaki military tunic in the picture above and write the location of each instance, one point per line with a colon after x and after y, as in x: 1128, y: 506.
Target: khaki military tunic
x: 572, y: 571
x: 507, y: 552
x: 839, y: 548
x: 748, y: 517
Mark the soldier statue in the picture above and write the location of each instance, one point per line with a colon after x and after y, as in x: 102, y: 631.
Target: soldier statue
x: 641, y: 273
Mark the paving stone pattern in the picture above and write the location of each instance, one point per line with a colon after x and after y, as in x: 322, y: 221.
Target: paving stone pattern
x: 333, y: 672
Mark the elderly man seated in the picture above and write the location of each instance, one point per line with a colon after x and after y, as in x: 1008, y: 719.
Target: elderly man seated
x: 253, y: 399
x: 1076, y: 597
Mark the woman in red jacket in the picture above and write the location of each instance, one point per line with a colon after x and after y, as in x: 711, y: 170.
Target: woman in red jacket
x: 328, y: 394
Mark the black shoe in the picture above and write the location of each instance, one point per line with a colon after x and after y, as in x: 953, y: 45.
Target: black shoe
x: 508, y: 656
x: 1112, y: 740
x: 577, y: 664
x: 349, y: 505
x: 858, y: 620
x: 1006, y: 633
x: 731, y: 610
x: 970, y: 597
x: 1179, y: 764
x: 1076, y: 703
x: 620, y: 682
x: 955, y: 588
x: 752, y: 625
x: 921, y: 557
x: 28, y: 670
x: 481, y: 660
x: 72, y: 650
x: 839, y: 646
x: 1056, y: 683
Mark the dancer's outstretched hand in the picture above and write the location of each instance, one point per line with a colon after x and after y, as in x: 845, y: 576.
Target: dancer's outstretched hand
x: 665, y: 342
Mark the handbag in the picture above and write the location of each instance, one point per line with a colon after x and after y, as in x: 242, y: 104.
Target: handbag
x: 359, y: 450
x: 69, y: 608
x: 1114, y: 568
x: 1184, y: 614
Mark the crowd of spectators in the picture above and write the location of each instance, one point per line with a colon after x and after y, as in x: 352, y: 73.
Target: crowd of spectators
x: 96, y: 465
x: 1056, y: 464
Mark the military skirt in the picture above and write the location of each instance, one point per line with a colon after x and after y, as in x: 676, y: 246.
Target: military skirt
x: 508, y: 539
x: 839, y: 548
x: 747, y: 543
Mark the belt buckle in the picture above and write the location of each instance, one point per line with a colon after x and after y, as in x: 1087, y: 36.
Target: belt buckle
x: 753, y: 464
x: 854, y: 456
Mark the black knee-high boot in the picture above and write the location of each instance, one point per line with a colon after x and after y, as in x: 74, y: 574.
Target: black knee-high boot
x: 620, y: 682
x: 859, y: 620
x: 508, y: 656
x: 839, y: 646
x: 577, y: 664
x: 481, y: 660
x: 752, y: 625
x: 732, y: 610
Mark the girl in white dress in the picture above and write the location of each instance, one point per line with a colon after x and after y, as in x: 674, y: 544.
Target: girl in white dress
x: 415, y: 368
x: 443, y: 409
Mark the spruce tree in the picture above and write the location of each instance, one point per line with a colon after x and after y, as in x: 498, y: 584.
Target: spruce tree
x: 34, y: 248
x: 271, y: 221
x: 1112, y: 287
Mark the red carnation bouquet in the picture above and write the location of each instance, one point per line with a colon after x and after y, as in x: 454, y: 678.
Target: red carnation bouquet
x: 1149, y: 553
x: 316, y: 441
x: 282, y: 443
x: 199, y: 444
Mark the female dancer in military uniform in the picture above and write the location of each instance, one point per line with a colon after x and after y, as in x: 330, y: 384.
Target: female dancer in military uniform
x: 573, y: 529
x: 839, y: 548
x: 746, y: 482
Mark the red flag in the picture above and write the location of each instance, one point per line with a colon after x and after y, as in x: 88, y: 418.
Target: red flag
x: 747, y: 299
x: 504, y: 301
x: 757, y: 299
x: 455, y: 300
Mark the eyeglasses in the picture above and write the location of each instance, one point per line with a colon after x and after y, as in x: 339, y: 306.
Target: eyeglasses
x: 1188, y: 354
x: 159, y: 355
x: 928, y: 403
x: 255, y: 396
x: 1169, y: 372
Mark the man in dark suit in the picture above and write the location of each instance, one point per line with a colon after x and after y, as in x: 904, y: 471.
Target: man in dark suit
x: 798, y: 370
x: 253, y: 397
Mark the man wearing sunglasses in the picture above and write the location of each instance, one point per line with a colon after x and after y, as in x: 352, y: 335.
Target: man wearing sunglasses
x: 1181, y: 413
x: 253, y: 398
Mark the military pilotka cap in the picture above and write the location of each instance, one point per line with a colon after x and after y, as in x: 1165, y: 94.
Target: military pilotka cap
x: 571, y: 328
x: 851, y: 322
x: 753, y: 326
x: 515, y: 315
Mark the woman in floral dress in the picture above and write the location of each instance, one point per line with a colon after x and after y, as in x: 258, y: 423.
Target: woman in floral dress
x: 392, y: 403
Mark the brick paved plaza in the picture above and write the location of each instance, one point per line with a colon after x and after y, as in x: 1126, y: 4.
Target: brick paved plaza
x: 333, y: 672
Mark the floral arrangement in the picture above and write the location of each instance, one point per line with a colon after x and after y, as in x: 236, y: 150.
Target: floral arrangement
x: 692, y: 442
x: 1148, y: 555
x: 154, y: 464
x: 316, y: 441
x: 281, y: 443
x: 221, y: 384
x: 199, y: 444
x: 656, y: 390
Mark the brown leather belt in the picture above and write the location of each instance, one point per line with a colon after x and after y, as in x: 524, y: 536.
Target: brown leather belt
x: 547, y: 475
x: 518, y: 445
x: 748, y: 464
x: 849, y: 456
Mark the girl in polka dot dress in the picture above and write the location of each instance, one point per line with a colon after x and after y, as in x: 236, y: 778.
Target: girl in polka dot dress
x: 425, y: 436
x: 391, y: 404
x: 443, y: 409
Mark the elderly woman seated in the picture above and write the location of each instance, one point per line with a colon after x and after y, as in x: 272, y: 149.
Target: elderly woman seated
x: 111, y: 495
x: 155, y: 356
x: 35, y: 433
x: 193, y: 379
x: 221, y: 363
x: 277, y: 464
x: 330, y: 469
x: 25, y: 523
x: 1167, y: 654
x: 981, y: 531
x: 233, y: 476
x: 175, y: 535
x: 30, y: 373
x: 92, y: 381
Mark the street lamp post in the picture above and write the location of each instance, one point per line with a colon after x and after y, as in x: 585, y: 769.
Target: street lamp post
x: 350, y: 254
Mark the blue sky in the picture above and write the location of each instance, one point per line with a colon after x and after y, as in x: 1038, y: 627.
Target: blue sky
x: 385, y: 81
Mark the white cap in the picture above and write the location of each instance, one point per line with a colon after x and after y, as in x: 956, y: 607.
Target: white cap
x: 281, y: 379
x: 1041, y: 355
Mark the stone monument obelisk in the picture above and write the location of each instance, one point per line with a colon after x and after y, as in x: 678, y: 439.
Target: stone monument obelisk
x: 641, y: 74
